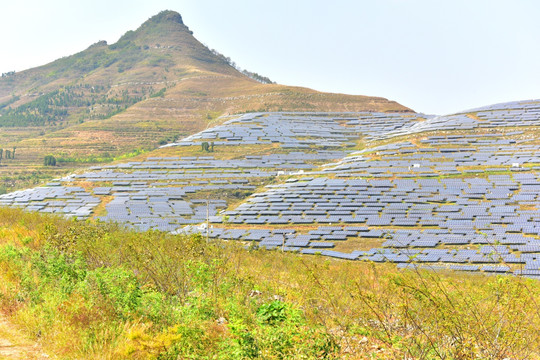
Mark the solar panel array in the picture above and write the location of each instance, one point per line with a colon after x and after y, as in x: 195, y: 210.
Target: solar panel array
x: 451, y: 220
x: 436, y: 156
x: 69, y: 201
x: 301, y: 130
x: 506, y: 115
x: 459, y: 192
x: 161, y: 193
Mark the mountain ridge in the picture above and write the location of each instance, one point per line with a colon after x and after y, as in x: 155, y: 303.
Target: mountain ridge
x: 163, y: 32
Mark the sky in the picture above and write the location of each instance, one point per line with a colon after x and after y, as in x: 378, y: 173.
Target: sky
x: 434, y: 56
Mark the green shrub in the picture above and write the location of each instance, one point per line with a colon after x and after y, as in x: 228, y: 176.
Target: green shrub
x: 273, y: 313
x: 49, y: 160
x: 159, y: 93
x: 117, y: 287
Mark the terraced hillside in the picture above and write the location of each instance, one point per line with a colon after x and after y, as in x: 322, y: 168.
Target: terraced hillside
x: 460, y: 191
x: 154, y: 85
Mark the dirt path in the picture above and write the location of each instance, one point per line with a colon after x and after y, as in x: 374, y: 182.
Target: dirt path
x: 14, y: 346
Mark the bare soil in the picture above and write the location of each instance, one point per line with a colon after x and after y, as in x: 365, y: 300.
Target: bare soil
x: 13, y: 345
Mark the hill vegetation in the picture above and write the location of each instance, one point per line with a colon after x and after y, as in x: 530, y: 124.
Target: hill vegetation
x: 97, y: 291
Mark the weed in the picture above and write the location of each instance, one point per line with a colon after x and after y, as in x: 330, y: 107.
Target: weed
x: 117, y: 294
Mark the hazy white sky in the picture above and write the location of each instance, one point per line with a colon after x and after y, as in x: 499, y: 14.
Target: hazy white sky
x: 434, y: 56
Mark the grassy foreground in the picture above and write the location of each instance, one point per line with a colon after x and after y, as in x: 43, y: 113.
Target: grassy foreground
x: 97, y: 291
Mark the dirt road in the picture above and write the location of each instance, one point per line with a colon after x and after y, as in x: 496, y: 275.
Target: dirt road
x: 14, y: 346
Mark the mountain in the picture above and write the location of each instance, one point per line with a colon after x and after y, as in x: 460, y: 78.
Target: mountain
x: 154, y: 85
x: 159, y: 53
x: 104, y: 79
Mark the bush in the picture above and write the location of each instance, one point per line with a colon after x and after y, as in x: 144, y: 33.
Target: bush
x: 49, y: 160
x: 122, y: 294
x: 273, y: 313
x: 160, y: 93
x: 118, y: 288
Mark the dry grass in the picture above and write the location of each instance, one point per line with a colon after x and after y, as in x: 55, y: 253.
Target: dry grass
x: 369, y: 310
x: 363, y: 244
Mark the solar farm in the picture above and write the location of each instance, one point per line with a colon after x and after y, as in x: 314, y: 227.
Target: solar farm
x: 458, y: 192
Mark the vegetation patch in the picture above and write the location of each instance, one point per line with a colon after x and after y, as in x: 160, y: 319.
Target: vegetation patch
x: 96, y: 290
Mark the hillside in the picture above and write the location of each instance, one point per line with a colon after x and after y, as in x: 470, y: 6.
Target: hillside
x: 156, y: 84
x: 448, y: 192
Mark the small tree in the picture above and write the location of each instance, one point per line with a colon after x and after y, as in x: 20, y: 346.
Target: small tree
x: 212, y: 146
x: 49, y: 160
x: 1, y: 154
x: 205, y: 146
x: 13, y: 153
x: 8, y: 154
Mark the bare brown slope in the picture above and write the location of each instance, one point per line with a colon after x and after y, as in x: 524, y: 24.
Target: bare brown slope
x: 192, y: 105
